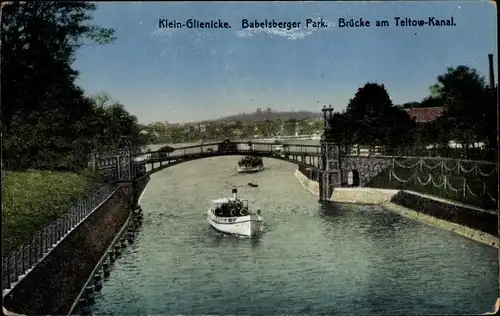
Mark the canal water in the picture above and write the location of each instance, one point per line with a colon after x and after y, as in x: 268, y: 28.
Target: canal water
x: 309, y: 259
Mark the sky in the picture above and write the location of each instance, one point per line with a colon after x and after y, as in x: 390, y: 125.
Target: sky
x: 180, y: 75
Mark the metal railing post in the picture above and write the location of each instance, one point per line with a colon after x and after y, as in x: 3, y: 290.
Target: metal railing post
x: 40, y: 245
x: 17, y: 262
x: 44, y: 240
x: 53, y: 235
x: 11, y: 269
x: 79, y: 211
x: 5, y: 274
x: 24, y: 262
x: 85, y: 207
x: 59, y: 226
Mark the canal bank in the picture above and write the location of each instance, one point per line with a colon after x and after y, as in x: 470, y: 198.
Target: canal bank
x: 51, y: 286
x: 360, y: 258
x: 468, y: 221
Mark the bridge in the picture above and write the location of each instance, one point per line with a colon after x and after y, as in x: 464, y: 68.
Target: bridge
x: 324, y: 163
x: 130, y: 165
x: 128, y: 170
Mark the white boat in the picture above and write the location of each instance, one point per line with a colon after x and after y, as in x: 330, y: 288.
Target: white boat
x: 232, y: 216
x: 250, y: 168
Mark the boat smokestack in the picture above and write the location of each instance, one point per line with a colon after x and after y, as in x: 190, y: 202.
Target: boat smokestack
x: 235, y: 192
x: 492, y: 73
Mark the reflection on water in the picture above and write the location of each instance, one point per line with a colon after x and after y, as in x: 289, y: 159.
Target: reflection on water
x: 310, y: 258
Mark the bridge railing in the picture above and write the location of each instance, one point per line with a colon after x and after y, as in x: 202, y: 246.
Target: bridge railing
x: 21, y: 261
x: 311, y: 173
x: 243, y: 147
x: 108, y: 162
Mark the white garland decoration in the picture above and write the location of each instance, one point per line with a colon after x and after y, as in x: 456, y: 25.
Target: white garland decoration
x: 432, y: 168
x: 445, y: 167
x: 459, y: 166
x: 430, y: 180
x: 487, y: 174
x: 470, y: 191
x: 451, y: 188
x: 401, y: 180
x: 435, y: 185
x: 405, y: 167
x: 462, y: 169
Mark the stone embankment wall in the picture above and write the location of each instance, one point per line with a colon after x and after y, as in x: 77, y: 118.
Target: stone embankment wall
x: 51, y: 287
x: 367, y: 167
x: 475, y: 218
x: 347, y: 195
x: 310, y: 185
x: 471, y: 222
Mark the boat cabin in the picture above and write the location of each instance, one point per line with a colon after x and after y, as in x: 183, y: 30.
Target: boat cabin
x: 230, y: 208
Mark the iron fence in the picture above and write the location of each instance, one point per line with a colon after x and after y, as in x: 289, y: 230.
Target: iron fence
x: 20, y: 261
x: 311, y: 173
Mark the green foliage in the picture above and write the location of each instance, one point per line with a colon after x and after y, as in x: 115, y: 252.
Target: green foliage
x: 47, y: 122
x: 469, y: 117
x: 101, y: 35
x: 470, y: 106
x: 371, y: 118
x: 32, y: 200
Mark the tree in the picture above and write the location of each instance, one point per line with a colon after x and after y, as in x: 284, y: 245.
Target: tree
x: 341, y: 131
x: 372, y: 118
x: 431, y: 102
x: 470, y: 107
x: 410, y: 105
x: 43, y: 112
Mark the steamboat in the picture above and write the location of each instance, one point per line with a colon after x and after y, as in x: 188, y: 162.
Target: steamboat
x: 250, y: 164
x: 232, y: 216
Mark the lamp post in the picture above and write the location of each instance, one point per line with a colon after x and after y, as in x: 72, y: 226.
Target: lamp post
x: 124, y: 154
x: 330, y: 115
x: 124, y: 143
x: 324, y: 110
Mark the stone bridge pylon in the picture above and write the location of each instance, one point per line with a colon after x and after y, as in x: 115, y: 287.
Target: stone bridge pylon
x: 331, y: 176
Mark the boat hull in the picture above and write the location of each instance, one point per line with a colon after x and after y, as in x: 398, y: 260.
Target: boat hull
x: 250, y: 169
x: 249, y: 225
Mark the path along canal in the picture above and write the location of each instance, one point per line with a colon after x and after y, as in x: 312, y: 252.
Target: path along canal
x: 310, y: 259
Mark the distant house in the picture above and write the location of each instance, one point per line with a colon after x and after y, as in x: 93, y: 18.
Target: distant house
x: 422, y: 115
x: 237, y: 132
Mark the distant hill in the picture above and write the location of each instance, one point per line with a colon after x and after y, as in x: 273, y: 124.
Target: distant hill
x: 270, y: 115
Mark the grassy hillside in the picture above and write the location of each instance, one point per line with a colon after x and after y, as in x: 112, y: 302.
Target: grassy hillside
x: 34, y: 199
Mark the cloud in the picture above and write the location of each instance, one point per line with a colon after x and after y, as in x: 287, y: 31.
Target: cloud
x: 292, y: 34
x: 163, y: 32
